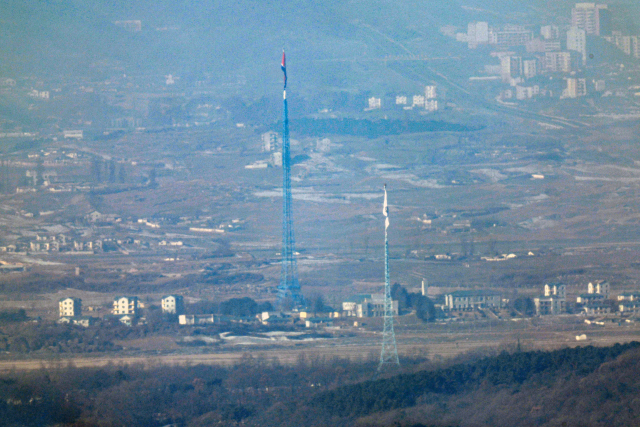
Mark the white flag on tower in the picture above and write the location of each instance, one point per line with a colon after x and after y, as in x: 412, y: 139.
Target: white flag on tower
x: 385, y: 209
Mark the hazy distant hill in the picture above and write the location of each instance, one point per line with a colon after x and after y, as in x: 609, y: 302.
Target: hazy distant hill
x: 228, y: 39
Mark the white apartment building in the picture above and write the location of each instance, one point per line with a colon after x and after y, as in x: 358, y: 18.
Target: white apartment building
x: 70, y: 307
x: 173, y: 304
x: 125, y: 305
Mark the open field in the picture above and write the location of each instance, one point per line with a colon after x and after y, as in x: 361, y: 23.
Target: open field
x: 434, y: 342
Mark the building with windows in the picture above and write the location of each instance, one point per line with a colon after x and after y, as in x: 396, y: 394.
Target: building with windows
x: 554, y: 300
x: 173, y: 304
x: 601, y: 287
x: 577, y: 42
x: 594, y: 18
x: 470, y: 300
x: 125, y: 305
x: 70, y: 307
x: 367, y: 305
x: 557, y: 62
x: 629, y: 296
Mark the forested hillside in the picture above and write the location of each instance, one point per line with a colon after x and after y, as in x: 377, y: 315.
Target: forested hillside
x: 585, y: 386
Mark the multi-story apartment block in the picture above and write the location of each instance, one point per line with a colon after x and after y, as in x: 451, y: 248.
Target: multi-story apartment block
x: 125, y: 305
x: 577, y: 42
x: 430, y: 92
x: 173, y: 304
x: 599, y: 287
x: 554, y: 300
x: 557, y: 62
x: 594, y: 18
x: 70, y: 307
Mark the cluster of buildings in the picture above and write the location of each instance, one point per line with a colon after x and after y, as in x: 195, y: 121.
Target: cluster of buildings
x: 596, y: 301
x: 524, y: 54
x: 427, y: 101
x: 126, y: 309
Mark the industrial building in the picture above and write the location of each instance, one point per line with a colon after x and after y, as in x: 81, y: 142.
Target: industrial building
x: 367, y: 305
x: 470, y: 300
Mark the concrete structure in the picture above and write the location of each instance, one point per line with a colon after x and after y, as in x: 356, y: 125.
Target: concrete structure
x: 430, y: 92
x: 596, y: 307
x: 173, y: 304
x: 589, y: 298
x: 269, y: 141
x: 318, y: 322
x: 629, y: 307
x: 599, y: 287
x: 70, y: 307
x: 549, y: 305
x: 554, y: 300
x: 85, y: 321
x: 132, y: 25
x: 557, y: 62
x: 197, y: 319
x: 550, y: 32
x: 477, y: 33
x: 366, y: 305
x: 591, y: 17
x: 555, y: 289
x: 74, y: 134
x: 374, y: 103
x: 510, y: 35
x: 529, y: 68
x: 575, y: 88
x: 470, y: 300
x: 629, y: 296
x: 577, y: 42
x: 418, y: 101
x: 125, y: 305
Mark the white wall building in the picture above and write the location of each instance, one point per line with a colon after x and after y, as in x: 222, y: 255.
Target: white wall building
x: 70, y: 307
x: 470, y: 300
x: 125, y: 305
x: 577, y: 42
x: 173, y: 304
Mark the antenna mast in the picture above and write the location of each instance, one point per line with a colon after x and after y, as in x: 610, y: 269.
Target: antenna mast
x: 389, y: 352
x: 289, y: 289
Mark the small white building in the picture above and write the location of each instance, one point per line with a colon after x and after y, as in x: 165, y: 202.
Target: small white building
x: 74, y: 134
x: 196, y: 319
x: 374, y: 103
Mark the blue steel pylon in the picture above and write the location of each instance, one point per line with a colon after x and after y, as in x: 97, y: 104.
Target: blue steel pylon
x: 289, y: 289
x: 389, y: 352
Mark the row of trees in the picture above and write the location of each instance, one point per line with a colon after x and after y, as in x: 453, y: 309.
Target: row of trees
x: 318, y: 391
x: 423, y: 305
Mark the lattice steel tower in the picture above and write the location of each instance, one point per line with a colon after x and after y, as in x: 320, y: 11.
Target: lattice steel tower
x: 389, y: 352
x: 289, y: 289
